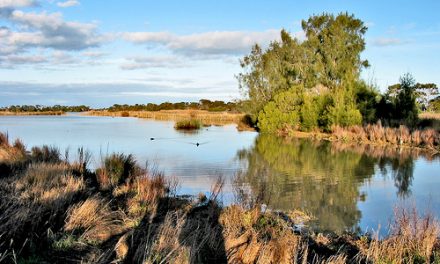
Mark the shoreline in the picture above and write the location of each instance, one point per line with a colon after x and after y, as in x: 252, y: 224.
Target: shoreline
x: 332, y: 137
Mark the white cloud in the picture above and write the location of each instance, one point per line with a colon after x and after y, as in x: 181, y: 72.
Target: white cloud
x: 24, y: 59
x: 94, y: 54
x: 383, y: 42
x: 45, y: 31
x: 208, y: 43
x: 68, y: 3
x: 16, y: 3
x: 141, y: 62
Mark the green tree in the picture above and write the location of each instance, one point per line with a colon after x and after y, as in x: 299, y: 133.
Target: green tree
x: 336, y: 43
x: 327, y: 64
x: 402, y: 100
x: 281, y: 113
x: 434, y: 104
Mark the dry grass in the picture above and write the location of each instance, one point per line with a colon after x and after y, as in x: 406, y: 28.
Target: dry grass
x: 412, y: 239
x: 205, y: 117
x: 429, y: 115
x: 10, y: 153
x: 95, y: 220
x: 377, y: 134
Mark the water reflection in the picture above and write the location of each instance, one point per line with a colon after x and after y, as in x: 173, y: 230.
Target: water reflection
x: 321, y: 178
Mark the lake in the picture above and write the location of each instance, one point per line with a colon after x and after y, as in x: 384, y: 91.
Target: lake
x: 347, y: 187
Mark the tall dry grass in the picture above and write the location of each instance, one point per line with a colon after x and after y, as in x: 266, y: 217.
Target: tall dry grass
x: 376, y: 133
x: 430, y: 115
x: 412, y: 239
x: 205, y: 117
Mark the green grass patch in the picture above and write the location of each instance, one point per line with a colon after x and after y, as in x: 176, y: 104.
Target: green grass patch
x: 191, y: 124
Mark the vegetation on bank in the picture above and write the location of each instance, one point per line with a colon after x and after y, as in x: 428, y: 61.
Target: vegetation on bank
x: 315, y: 84
x: 54, y: 211
x: 50, y: 113
x: 205, y: 117
x: 42, y: 109
x: 190, y: 124
x: 203, y: 104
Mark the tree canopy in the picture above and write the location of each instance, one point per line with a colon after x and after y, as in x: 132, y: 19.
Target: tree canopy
x: 316, y: 83
x: 326, y: 65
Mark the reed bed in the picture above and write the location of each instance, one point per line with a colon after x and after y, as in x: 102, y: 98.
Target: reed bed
x: 206, y: 117
x: 375, y: 133
x: 430, y: 115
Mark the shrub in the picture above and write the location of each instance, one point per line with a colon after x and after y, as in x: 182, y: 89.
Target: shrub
x: 4, y: 140
x: 281, y: 113
x: 125, y: 114
x: 310, y: 113
x: 404, y: 135
x: 117, y: 168
x: 428, y: 137
x: 46, y: 154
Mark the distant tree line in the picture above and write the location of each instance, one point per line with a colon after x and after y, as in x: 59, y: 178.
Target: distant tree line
x: 203, y: 104
x: 315, y: 83
x: 41, y: 108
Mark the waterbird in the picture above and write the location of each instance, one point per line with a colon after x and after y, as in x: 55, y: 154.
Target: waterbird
x: 198, y: 144
x: 151, y: 138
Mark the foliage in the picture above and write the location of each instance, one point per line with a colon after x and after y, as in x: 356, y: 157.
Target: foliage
x: 399, y: 105
x: 423, y: 92
x: 203, y: 104
x: 281, y: 113
x: 326, y: 66
x: 40, y: 108
x: 434, y: 104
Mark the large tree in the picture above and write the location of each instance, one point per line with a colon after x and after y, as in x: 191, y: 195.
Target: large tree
x: 328, y: 63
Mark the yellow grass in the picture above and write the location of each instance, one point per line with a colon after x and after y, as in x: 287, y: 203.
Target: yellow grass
x: 430, y: 115
x: 206, y: 117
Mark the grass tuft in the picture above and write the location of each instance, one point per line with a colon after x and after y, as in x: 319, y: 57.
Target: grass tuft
x: 191, y: 124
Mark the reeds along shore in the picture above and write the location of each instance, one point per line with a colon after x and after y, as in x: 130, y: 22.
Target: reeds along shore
x: 402, y: 136
x: 206, y: 117
x: 54, y: 211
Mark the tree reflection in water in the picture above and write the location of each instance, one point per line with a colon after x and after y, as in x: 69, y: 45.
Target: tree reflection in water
x: 321, y: 178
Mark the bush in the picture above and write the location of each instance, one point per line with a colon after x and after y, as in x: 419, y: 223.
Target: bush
x: 281, y: 113
x: 117, y: 168
x: 310, y: 111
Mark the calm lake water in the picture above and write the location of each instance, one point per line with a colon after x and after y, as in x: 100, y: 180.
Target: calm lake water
x: 346, y: 187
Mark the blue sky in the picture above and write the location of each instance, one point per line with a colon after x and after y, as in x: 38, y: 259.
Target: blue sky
x: 105, y: 52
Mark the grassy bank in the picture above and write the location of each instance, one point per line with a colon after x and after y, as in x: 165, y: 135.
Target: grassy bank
x: 50, y: 113
x: 54, y: 211
x: 206, y: 117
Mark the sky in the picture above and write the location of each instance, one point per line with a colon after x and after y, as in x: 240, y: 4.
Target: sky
x: 100, y: 53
